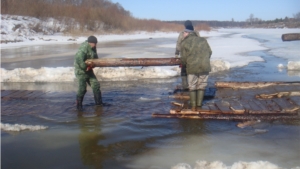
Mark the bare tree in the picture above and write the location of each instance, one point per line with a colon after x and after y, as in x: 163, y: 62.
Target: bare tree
x: 297, y: 16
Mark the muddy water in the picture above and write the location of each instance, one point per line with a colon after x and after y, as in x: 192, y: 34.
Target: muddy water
x: 123, y: 134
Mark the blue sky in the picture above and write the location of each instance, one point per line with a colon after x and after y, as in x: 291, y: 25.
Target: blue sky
x: 222, y: 10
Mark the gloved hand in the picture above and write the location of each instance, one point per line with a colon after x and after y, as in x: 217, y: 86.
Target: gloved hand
x: 88, y: 68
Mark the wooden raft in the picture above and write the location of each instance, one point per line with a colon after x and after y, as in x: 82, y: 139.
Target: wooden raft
x: 244, y: 101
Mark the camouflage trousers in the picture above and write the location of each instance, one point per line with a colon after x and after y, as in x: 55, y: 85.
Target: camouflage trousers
x: 91, y: 80
x: 197, y: 82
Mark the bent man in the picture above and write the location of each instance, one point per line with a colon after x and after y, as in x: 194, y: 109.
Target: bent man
x: 180, y: 38
x: 84, y: 73
x: 195, y: 54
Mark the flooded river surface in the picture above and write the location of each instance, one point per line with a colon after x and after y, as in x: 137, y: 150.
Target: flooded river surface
x: 123, y: 134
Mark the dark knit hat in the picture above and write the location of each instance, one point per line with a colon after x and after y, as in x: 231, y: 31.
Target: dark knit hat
x: 188, y: 26
x: 92, y: 39
x: 188, y: 23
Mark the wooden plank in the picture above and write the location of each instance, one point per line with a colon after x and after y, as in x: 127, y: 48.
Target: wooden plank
x: 26, y: 94
x: 273, y: 107
x: 236, y: 107
x: 9, y: 92
x: 213, y: 107
x: 224, y: 106
x: 5, y: 92
x: 286, y: 105
x: 18, y: 94
x: 254, y: 108
x: 36, y: 94
x: 227, y: 116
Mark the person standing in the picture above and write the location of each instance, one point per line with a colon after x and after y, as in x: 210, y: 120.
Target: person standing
x: 84, y: 73
x: 195, y: 55
x: 183, y: 74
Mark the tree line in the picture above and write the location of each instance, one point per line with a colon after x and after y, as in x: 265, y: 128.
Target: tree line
x: 88, y: 15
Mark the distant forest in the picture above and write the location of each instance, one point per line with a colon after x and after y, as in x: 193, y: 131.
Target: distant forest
x: 252, y: 22
x: 104, y: 16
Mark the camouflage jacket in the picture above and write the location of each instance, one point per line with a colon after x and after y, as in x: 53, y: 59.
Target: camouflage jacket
x: 195, y: 54
x: 85, y: 52
x: 179, y: 40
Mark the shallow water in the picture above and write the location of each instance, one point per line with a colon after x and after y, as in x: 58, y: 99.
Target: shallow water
x: 123, y: 134
x: 62, y: 55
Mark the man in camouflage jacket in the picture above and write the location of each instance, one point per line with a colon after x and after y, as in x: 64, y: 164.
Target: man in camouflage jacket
x: 195, y: 54
x: 84, y: 73
x: 177, y: 52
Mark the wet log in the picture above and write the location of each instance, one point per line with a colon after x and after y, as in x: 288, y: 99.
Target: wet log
x: 228, y: 116
x: 278, y: 95
x: 248, y: 85
x: 189, y: 111
x: 290, y: 36
x: 178, y: 104
x: 247, y: 123
x: 127, y: 62
x: 180, y: 96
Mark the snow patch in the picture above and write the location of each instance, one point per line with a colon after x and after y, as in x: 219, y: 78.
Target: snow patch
x: 236, y: 165
x: 21, y: 127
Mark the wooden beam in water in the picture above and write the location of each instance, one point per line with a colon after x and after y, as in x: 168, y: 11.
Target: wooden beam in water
x: 228, y: 116
x: 248, y: 85
x: 290, y: 36
x: 127, y: 62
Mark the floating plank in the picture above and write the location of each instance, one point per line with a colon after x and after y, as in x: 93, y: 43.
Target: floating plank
x: 278, y: 95
x: 7, y: 92
x: 247, y: 85
x: 189, y: 111
x: 290, y: 36
x: 180, y: 96
x: 236, y: 107
x: 116, y: 62
x: 224, y: 106
x: 247, y: 123
x: 228, y: 116
x: 286, y: 105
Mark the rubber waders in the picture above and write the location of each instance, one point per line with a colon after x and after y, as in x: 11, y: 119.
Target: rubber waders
x: 79, y: 103
x: 193, y: 100
x: 98, y: 98
x: 200, y: 95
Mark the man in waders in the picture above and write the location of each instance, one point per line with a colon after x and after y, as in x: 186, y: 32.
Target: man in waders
x: 177, y: 52
x: 84, y: 73
x: 195, y: 55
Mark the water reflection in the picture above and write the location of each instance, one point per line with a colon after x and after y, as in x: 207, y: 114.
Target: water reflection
x: 92, y: 153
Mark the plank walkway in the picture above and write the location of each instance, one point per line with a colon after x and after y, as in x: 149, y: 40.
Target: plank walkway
x: 231, y: 103
x: 242, y: 101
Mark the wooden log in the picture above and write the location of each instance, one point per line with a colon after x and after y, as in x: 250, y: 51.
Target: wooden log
x: 247, y: 123
x: 189, y: 111
x: 248, y: 85
x: 127, y: 62
x: 286, y: 105
x: 290, y: 36
x: 178, y: 104
x: 236, y: 107
x: 228, y: 116
x: 180, y: 96
x: 278, y: 95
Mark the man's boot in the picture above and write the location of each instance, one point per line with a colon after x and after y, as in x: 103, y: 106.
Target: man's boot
x: 79, y: 103
x: 200, y: 95
x: 98, y: 98
x: 193, y: 100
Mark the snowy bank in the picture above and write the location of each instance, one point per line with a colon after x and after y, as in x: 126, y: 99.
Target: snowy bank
x: 66, y: 74
x: 236, y: 165
x: 21, y: 127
